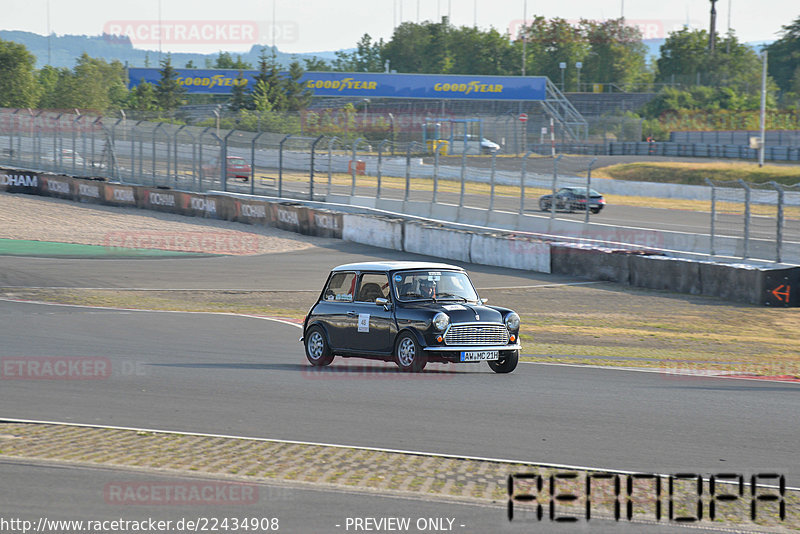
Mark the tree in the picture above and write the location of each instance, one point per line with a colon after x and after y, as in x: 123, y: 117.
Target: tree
x: 686, y: 59
x: 784, y: 58
x: 316, y: 64
x: 169, y: 92
x: 225, y: 61
x: 551, y: 42
x: 365, y: 58
x: 239, y: 98
x: 143, y: 97
x: 298, y: 96
x: 18, y: 87
x: 616, y: 53
x: 273, y: 87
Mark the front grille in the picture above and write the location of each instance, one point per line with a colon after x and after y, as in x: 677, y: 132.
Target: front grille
x: 477, y: 334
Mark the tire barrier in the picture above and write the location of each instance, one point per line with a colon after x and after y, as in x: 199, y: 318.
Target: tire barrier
x: 765, y: 286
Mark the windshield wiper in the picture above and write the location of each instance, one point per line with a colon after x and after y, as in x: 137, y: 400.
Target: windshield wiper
x: 451, y: 296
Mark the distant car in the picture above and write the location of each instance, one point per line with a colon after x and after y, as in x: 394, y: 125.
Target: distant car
x: 237, y: 168
x: 67, y: 157
x: 410, y: 313
x: 573, y: 199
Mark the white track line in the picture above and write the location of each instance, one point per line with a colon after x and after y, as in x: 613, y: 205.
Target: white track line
x: 290, y: 323
x: 230, y: 314
x: 354, y: 447
x: 546, y: 285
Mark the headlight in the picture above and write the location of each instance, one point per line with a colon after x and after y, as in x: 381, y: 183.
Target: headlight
x: 512, y: 321
x: 440, y: 321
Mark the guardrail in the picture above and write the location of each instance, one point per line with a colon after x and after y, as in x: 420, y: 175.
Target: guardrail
x: 493, y: 191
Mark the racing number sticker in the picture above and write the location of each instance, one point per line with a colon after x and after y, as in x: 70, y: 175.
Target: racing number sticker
x: 363, y: 322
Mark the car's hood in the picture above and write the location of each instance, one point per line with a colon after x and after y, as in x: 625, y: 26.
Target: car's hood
x: 460, y: 312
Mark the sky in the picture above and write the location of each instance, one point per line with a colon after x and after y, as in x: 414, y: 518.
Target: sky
x: 300, y: 26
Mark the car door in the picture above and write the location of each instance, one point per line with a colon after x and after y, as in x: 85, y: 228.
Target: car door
x: 373, y: 326
x: 333, y: 309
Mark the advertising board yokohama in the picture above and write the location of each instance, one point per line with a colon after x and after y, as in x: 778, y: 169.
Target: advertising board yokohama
x: 253, y: 211
x: 120, y: 195
x: 160, y: 199
x: 88, y: 191
x: 19, y: 180
x: 57, y: 186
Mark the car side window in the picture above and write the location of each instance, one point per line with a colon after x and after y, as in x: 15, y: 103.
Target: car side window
x: 341, y: 287
x: 373, y: 286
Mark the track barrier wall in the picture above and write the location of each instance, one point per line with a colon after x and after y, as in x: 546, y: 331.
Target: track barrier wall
x: 776, y: 287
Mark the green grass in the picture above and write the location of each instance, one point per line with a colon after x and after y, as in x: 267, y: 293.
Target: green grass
x: 696, y: 173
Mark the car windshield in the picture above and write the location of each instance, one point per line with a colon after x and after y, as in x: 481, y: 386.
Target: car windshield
x: 236, y: 161
x: 434, y: 285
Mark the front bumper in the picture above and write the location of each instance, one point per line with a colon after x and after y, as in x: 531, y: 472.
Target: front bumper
x: 471, y: 348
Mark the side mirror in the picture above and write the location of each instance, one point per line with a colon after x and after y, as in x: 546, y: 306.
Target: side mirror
x: 484, y: 301
x: 382, y: 302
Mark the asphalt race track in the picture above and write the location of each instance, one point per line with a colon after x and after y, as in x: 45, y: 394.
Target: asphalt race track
x: 246, y: 376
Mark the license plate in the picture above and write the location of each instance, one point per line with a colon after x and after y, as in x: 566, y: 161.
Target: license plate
x: 480, y: 355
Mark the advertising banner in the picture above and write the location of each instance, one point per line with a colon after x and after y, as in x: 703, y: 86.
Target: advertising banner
x: 363, y: 84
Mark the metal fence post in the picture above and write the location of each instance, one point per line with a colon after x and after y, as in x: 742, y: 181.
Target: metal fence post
x: 463, y: 175
x: 353, y: 167
x: 746, y: 251
x: 408, y: 170
x: 75, y: 124
x: 224, y: 160
x: 380, y: 166
x: 522, y: 178
x: 713, y: 214
x: 491, y: 179
x: 588, y: 188
x: 280, y: 165
x: 780, y: 221
x: 555, y: 185
x: 331, y: 141
x: 311, y: 174
x: 175, y: 152
x: 253, y: 163
x: 435, y: 145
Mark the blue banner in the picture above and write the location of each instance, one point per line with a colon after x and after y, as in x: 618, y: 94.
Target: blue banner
x: 364, y: 85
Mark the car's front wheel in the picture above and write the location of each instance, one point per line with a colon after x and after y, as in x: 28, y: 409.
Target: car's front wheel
x: 317, y: 350
x: 408, y: 354
x: 505, y: 364
x: 595, y: 210
x: 544, y: 205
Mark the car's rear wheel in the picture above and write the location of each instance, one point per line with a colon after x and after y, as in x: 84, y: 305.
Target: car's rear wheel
x: 317, y: 350
x: 505, y: 364
x: 408, y: 354
x: 595, y: 210
x: 544, y: 205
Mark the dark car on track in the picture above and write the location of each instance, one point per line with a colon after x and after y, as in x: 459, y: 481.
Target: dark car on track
x: 411, y: 313
x: 573, y: 199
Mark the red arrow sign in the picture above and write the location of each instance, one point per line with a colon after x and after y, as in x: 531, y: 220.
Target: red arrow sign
x: 782, y: 296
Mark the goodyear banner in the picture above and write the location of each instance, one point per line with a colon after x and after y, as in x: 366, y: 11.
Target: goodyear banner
x: 365, y: 85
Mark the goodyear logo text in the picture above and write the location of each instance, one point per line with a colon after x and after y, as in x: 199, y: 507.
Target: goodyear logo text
x: 346, y: 83
x: 467, y: 88
x: 218, y: 80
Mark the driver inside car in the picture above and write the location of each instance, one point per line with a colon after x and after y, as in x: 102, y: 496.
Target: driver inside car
x: 427, y: 288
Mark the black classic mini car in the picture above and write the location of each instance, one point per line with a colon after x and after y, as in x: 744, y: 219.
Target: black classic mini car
x: 411, y: 313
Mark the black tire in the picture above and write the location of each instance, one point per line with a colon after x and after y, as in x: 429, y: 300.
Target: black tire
x: 595, y: 210
x: 505, y: 365
x: 408, y: 355
x: 317, y: 350
x: 544, y: 205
